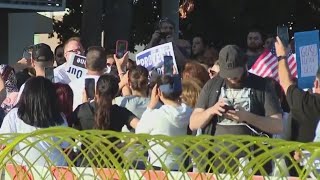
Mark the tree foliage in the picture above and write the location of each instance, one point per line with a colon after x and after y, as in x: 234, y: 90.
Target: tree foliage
x: 71, y: 22
x: 221, y: 22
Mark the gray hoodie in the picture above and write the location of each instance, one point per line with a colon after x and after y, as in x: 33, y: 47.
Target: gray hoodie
x: 169, y: 121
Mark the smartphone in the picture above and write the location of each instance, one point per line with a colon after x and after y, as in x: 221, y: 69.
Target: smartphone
x: 90, y: 85
x: 168, y: 65
x: 177, y: 83
x: 228, y: 108
x: 283, y: 34
x: 48, y: 73
x: 121, y: 48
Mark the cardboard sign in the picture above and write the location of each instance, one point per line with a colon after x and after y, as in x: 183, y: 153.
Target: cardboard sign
x: 76, y: 66
x: 153, y: 58
x: 307, y: 57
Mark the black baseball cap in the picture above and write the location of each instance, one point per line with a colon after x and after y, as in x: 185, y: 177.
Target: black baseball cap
x: 232, y: 62
x: 42, y: 53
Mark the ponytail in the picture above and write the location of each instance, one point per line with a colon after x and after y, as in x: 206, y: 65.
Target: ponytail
x: 106, y: 90
x: 102, y: 112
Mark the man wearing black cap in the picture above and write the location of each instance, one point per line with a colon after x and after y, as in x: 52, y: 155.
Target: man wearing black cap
x: 42, y: 57
x: 237, y: 102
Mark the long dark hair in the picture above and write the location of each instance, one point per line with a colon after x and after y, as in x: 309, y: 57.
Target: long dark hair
x: 38, y: 105
x: 107, y: 88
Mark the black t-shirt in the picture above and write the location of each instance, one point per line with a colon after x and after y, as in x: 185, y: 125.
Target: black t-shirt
x: 251, y: 60
x: 83, y: 117
x: 305, y: 113
x: 263, y: 98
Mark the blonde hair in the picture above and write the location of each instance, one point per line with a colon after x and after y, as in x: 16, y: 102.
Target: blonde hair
x: 191, y: 89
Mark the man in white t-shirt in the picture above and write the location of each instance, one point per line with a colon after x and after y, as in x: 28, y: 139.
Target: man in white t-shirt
x: 73, y: 45
x: 95, y: 64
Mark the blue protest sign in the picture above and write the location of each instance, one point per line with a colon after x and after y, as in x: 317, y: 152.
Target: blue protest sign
x: 307, y: 56
x: 153, y: 58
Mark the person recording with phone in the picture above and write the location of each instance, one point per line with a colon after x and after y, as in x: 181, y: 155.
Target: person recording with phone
x: 304, y: 105
x: 41, y: 58
x: 73, y: 45
x: 165, y: 34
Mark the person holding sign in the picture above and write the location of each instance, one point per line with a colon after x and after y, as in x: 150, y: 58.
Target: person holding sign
x: 95, y: 64
x: 73, y: 45
x: 304, y: 106
x: 165, y: 34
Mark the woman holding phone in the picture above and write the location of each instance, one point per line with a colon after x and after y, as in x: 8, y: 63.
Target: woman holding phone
x: 100, y: 113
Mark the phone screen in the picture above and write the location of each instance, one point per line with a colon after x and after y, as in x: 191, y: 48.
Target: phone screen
x: 168, y: 65
x: 121, y: 48
x: 90, y: 88
x: 283, y: 34
x: 48, y: 73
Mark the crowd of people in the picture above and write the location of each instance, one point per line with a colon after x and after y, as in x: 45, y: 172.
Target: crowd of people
x: 214, y: 94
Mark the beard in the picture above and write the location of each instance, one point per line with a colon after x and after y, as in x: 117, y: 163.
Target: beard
x: 254, y: 47
x: 239, y: 84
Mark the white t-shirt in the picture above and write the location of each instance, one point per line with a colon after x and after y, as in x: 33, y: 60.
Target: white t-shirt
x: 78, y: 86
x: 169, y: 121
x: 61, y: 75
x: 33, y: 154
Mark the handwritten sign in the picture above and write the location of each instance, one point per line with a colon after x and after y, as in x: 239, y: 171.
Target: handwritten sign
x: 76, y: 66
x: 153, y: 58
x: 307, y: 56
x: 309, y: 60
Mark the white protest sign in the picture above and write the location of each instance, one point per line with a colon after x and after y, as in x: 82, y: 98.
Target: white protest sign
x: 309, y: 60
x: 76, y: 66
x: 153, y: 58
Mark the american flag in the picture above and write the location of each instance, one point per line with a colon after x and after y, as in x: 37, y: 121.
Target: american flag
x: 267, y: 64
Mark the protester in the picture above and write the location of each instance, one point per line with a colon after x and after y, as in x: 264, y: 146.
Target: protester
x: 65, y: 100
x: 95, y: 64
x: 234, y: 84
x: 100, y: 113
x: 72, y: 45
x: 8, y: 76
x: 255, y: 47
x: 111, y: 64
x: 59, y: 55
x: 209, y: 57
x: 269, y: 42
x: 37, y: 109
x: 171, y: 119
x: 138, y: 83
x: 214, y: 70
x: 195, y: 70
x: 42, y: 57
x: 304, y: 106
x: 165, y: 34
x: 236, y: 102
x: 199, y: 46
x: 191, y: 89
